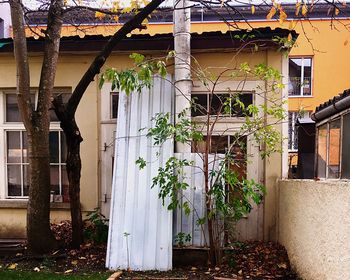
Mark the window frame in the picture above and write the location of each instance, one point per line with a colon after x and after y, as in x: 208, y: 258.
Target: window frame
x: 296, y: 115
x: 111, y: 94
x: 301, y: 93
x: 221, y: 92
x: 6, y: 126
x: 327, y: 122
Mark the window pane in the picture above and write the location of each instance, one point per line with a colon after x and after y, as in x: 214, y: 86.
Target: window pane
x: 12, y: 111
x: 294, y: 85
x: 307, y: 76
x: 322, y: 151
x: 25, y: 180
x: 216, y: 102
x: 238, y: 155
x: 115, y: 98
x: 65, y: 98
x: 14, y: 180
x: 199, y: 104
x: 13, y: 147
x: 219, y: 144
x: 246, y: 99
x: 25, y: 146
x: 65, y: 184
x: 345, y: 149
x: 334, y: 149
x: 54, y: 179
x: 292, y: 131
x: 54, y: 152
x: 63, y: 147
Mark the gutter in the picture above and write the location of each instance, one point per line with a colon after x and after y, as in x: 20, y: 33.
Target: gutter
x: 335, y: 107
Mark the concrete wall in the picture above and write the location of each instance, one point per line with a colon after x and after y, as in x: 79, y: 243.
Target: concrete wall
x: 314, y: 226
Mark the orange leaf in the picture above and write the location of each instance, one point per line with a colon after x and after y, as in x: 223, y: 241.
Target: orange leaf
x: 292, y: 24
x: 336, y: 11
x: 99, y: 15
x: 289, y: 38
x: 304, y: 10
x: 283, y: 16
x: 346, y: 42
x: 253, y: 9
x: 297, y: 8
x: 271, y: 13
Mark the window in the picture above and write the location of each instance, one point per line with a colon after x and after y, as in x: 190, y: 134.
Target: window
x: 300, y: 76
x: 332, y: 151
x: 293, y: 129
x: 221, y: 144
x: 219, y: 103
x: 16, y: 152
x: 114, y: 104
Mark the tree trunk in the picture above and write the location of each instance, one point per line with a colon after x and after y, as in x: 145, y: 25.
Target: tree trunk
x: 39, y: 235
x: 73, y: 140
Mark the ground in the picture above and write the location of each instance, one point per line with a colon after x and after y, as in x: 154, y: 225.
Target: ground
x: 248, y: 260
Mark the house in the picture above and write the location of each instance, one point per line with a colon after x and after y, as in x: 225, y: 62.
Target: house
x: 96, y: 117
x: 322, y: 44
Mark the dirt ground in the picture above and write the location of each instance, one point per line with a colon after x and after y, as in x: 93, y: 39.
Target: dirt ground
x: 245, y: 260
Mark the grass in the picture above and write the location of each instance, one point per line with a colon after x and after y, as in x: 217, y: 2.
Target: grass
x: 24, y: 275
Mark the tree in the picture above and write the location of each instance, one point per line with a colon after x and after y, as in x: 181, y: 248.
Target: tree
x: 36, y: 120
x: 228, y: 193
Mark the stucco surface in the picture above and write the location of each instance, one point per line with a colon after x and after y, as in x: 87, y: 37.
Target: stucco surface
x: 314, y: 226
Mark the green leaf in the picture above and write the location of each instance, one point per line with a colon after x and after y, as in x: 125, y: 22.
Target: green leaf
x: 141, y: 163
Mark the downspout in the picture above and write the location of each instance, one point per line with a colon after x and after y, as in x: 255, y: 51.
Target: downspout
x: 182, y: 47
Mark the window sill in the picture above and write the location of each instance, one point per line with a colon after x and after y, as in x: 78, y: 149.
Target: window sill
x: 300, y: 96
x: 221, y: 119
x: 22, y: 204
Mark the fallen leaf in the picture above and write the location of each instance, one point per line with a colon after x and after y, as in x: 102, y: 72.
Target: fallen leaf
x: 36, y: 269
x: 12, y: 266
x: 282, y: 265
x: 74, y: 262
x: 68, y: 271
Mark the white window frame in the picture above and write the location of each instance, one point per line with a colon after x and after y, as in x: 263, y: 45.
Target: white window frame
x: 301, y: 93
x: 295, y: 116
x: 19, y: 126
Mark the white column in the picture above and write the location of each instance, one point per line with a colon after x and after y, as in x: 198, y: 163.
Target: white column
x: 182, y: 47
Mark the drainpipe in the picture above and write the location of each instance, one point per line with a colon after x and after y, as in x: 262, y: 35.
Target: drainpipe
x: 182, y: 47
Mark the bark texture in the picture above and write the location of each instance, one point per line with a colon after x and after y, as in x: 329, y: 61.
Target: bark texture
x: 37, y: 122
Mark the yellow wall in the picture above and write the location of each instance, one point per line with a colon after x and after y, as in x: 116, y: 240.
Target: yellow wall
x: 70, y: 69
x: 326, y: 44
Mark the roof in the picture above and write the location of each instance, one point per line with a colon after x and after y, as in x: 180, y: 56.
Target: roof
x: 332, y: 106
x: 201, y: 14
x: 203, y: 41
